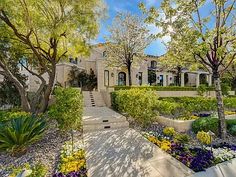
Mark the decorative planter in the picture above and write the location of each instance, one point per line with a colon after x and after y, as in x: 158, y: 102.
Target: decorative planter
x: 179, y: 125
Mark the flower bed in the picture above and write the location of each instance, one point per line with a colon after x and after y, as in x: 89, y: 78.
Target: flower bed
x: 198, y: 157
x: 72, y: 161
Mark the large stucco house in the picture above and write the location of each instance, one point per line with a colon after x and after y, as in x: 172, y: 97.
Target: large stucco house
x: 107, y: 76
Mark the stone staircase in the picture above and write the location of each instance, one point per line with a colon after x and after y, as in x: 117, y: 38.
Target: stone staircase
x: 93, y: 99
x: 102, y: 118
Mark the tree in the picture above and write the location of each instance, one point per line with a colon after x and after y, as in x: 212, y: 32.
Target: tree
x: 81, y: 78
x: 7, y: 88
x: 128, y: 38
x: 209, y: 38
x: 45, y: 32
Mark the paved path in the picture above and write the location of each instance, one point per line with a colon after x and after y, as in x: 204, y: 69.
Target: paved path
x: 125, y: 153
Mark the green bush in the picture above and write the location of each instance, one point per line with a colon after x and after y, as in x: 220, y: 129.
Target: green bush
x: 169, y: 108
x: 232, y: 130
x: 199, y: 104
x: 194, y: 104
x: 37, y: 170
x: 137, y: 103
x: 230, y: 103
x: 8, y: 115
x: 210, y: 123
x: 182, y: 138
x: 17, y: 134
x: 230, y: 123
x: 202, y: 89
x: 206, y: 124
x: 161, y: 88
x: 67, y: 109
x: 225, y: 89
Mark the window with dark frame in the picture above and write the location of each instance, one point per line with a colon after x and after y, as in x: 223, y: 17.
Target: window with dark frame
x: 106, y: 78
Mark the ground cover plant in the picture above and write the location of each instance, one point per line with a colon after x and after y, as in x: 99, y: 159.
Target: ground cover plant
x: 37, y: 170
x: 197, y: 157
x: 72, y: 161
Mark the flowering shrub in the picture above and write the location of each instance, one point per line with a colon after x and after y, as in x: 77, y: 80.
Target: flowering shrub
x: 165, y: 145
x: 198, y: 159
x: 72, y: 161
x: 182, y: 138
x: 222, y: 154
x: 169, y: 131
x: 204, y: 137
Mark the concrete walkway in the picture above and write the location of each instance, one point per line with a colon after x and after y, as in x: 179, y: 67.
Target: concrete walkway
x: 125, y: 153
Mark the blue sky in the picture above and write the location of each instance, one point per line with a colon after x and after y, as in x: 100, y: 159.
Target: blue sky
x: 114, y: 6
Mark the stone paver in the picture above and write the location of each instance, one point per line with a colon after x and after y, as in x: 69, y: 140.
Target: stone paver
x: 126, y: 153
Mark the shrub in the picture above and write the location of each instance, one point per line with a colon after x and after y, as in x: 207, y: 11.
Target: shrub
x: 169, y: 108
x: 156, y: 88
x: 182, y: 138
x: 230, y: 123
x: 169, y: 131
x: 232, y: 130
x: 225, y: 89
x: 204, y: 137
x: 199, y: 104
x: 137, y: 103
x: 37, y: 170
x: 206, y: 124
x: 201, y: 89
x: 8, y: 115
x: 67, y: 109
x: 19, y: 133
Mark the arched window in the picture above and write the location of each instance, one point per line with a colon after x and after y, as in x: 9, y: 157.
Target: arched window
x: 122, y: 78
x: 153, y: 64
x: 104, y: 54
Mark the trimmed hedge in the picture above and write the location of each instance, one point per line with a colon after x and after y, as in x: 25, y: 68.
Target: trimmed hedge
x: 67, y: 109
x: 136, y: 103
x: 160, y: 88
x: 199, y: 104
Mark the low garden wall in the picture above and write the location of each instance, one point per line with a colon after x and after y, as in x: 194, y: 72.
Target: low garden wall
x: 179, y: 125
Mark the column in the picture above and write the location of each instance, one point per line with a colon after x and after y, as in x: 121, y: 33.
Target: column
x: 164, y: 80
x: 197, y: 80
x: 209, y: 80
x: 182, y: 79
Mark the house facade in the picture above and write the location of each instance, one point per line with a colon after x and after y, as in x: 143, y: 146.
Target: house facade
x: 146, y: 72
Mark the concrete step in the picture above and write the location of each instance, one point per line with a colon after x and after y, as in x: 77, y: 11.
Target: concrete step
x: 105, y: 126
x: 104, y: 120
x: 93, y: 98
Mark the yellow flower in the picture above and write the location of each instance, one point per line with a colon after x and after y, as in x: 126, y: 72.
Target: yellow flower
x: 165, y: 145
x: 204, y: 137
x: 169, y: 131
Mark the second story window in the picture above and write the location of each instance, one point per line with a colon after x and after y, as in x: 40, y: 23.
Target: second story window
x: 104, y: 54
x: 153, y: 64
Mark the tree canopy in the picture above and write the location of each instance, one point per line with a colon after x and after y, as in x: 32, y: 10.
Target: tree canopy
x: 129, y: 36
x: 208, y: 39
x: 46, y: 32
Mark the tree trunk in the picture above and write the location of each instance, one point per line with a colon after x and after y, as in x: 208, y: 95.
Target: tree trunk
x: 220, y: 106
x: 25, y: 105
x: 129, y: 74
x: 48, y: 91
